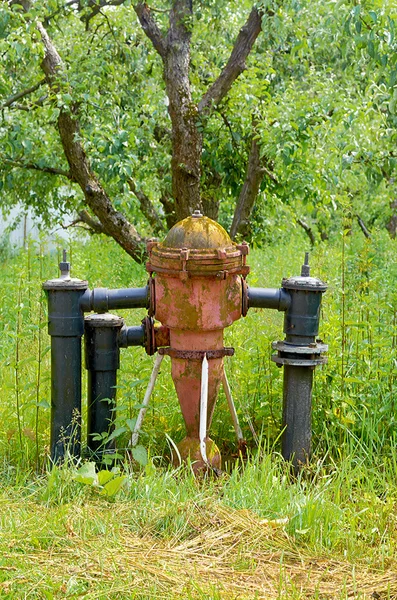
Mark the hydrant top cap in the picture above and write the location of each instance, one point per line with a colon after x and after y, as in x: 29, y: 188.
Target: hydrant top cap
x: 197, y: 233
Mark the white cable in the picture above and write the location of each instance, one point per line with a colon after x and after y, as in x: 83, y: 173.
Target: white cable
x: 203, y: 409
x: 149, y: 391
x: 232, y: 407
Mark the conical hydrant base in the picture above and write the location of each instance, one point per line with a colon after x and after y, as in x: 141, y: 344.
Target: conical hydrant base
x: 189, y: 450
x: 186, y: 374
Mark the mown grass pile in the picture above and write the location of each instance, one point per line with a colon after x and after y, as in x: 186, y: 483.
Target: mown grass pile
x: 254, y: 532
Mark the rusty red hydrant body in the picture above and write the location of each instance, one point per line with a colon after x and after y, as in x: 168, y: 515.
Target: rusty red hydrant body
x: 197, y: 293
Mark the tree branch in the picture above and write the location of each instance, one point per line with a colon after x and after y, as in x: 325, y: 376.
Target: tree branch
x: 97, y: 9
x: 249, y: 191
x: 35, y: 167
x: 236, y: 63
x: 147, y: 208
x: 94, y: 226
x: 257, y: 167
x: 113, y: 222
x: 22, y: 94
x: 169, y: 209
x: 96, y: 6
x: 308, y: 230
x: 229, y: 127
x: 32, y: 105
x: 151, y: 28
x: 363, y: 227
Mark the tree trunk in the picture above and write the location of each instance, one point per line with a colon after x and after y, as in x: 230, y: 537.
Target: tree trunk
x: 187, y: 141
x: 249, y: 192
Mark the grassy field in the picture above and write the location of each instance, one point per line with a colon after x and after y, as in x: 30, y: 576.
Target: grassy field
x: 253, y: 533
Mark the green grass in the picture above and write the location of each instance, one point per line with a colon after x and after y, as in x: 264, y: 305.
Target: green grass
x: 253, y: 533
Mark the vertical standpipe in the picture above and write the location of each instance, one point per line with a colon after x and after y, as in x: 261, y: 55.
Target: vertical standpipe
x: 300, y: 353
x: 102, y: 360
x: 66, y: 327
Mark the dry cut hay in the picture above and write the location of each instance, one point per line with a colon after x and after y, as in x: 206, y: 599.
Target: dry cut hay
x: 230, y: 552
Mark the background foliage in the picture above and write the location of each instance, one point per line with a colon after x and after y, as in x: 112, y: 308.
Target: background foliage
x: 320, y: 85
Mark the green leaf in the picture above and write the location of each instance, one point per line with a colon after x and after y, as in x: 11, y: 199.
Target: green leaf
x: 373, y: 15
x: 87, y: 474
x: 43, y: 404
x: 116, y: 433
x: 139, y: 454
x: 104, y: 476
x: 136, y: 382
x: 113, y: 486
x: 131, y: 424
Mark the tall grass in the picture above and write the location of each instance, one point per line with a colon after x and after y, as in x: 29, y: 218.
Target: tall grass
x: 329, y: 533
x: 353, y: 404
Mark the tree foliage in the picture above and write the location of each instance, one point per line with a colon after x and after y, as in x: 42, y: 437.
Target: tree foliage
x: 266, y: 115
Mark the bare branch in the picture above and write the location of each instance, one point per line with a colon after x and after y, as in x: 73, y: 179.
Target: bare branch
x: 249, y: 191
x: 363, y: 227
x: 229, y: 127
x: 391, y: 225
x: 236, y: 63
x: 257, y: 167
x: 267, y: 170
x: 48, y: 18
x: 147, y: 208
x: 24, y: 3
x: 22, y: 94
x: 94, y: 226
x: 97, y: 9
x: 96, y: 6
x: 308, y: 230
x: 151, y: 28
x: 92, y: 223
x: 160, y: 10
x: 31, y: 105
x: 35, y: 167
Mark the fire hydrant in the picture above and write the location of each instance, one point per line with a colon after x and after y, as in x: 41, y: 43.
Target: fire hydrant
x: 197, y: 287
x: 198, y: 292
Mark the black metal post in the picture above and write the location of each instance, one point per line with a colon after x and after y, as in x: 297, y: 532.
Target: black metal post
x: 66, y: 327
x: 102, y: 359
x: 297, y: 410
x: 300, y: 353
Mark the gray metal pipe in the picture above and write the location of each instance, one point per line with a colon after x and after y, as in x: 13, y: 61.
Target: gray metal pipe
x: 278, y: 299
x: 102, y: 360
x: 65, y: 428
x: 297, y: 414
x: 132, y: 336
x: 101, y: 300
x: 66, y: 327
x: 300, y: 353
